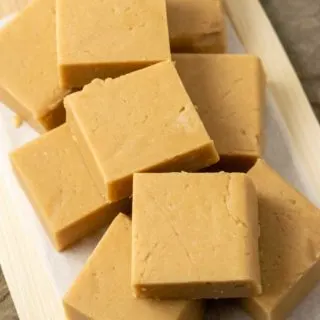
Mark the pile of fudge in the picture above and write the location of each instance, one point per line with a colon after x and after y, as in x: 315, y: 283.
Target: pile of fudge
x: 149, y: 129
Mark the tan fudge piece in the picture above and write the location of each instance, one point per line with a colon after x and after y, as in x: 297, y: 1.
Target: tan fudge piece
x: 143, y: 121
x: 102, y: 290
x: 289, y: 245
x: 228, y: 91
x: 101, y: 39
x: 195, y: 236
x: 28, y: 64
x: 54, y: 177
x: 196, y: 26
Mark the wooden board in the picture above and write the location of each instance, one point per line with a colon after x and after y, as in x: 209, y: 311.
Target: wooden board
x: 31, y: 287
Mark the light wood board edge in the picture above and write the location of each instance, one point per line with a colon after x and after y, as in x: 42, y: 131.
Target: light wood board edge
x: 259, y: 38
x: 27, y: 276
x: 29, y: 282
x: 31, y: 288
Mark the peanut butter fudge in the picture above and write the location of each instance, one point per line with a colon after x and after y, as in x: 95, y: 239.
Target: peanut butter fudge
x: 228, y: 91
x: 196, y: 26
x: 102, y: 39
x: 102, y: 290
x: 54, y: 177
x: 289, y: 245
x: 140, y: 122
x: 195, y: 236
x: 28, y: 67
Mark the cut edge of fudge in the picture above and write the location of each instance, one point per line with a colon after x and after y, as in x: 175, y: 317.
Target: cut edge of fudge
x: 72, y: 313
x: 214, y: 41
x: 78, y: 75
x: 233, y: 163
x: 216, y: 290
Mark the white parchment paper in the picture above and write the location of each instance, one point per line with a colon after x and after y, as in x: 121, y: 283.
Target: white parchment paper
x: 64, y: 267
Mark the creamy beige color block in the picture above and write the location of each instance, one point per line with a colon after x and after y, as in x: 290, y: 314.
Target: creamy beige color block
x: 196, y: 26
x: 102, y: 39
x: 28, y: 62
x: 144, y: 121
x: 229, y: 92
x: 195, y: 236
x: 55, y: 179
x: 289, y: 246
x: 102, y: 290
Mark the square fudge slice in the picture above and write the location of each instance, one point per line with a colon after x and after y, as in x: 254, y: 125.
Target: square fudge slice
x: 102, y: 39
x: 140, y: 122
x: 195, y: 236
x: 52, y: 173
x: 289, y: 245
x: 102, y: 290
x: 29, y: 82
x: 228, y: 91
x: 196, y: 26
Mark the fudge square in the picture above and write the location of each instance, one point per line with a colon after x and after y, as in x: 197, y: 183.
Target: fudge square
x: 195, y: 236
x: 29, y: 82
x: 143, y: 121
x: 101, y: 39
x: 228, y: 91
x: 102, y: 290
x: 52, y: 173
x: 289, y: 245
x: 196, y: 26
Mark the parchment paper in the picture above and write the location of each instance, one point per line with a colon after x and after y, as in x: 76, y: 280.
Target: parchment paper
x: 64, y: 267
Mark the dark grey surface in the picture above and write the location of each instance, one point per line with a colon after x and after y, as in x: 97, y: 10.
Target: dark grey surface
x: 297, y: 23
x: 7, y: 310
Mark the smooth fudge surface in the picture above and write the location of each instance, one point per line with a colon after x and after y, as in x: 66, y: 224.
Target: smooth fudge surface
x: 228, y: 91
x: 102, y: 39
x: 289, y: 245
x: 143, y: 121
x: 55, y: 179
x: 29, y: 77
x: 196, y: 26
x: 195, y: 236
x: 102, y: 290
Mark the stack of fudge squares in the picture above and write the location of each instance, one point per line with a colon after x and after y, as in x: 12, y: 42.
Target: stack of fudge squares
x: 152, y: 130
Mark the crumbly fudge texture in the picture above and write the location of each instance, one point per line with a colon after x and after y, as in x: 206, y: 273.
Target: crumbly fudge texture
x: 52, y: 173
x: 289, y: 245
x: 228, y: 91
x: 29, y: 78
x: 196, y: 26
x: 102, y: 290
x: 101, y: 39
x: 195, y: 236
x: 144, y: 121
